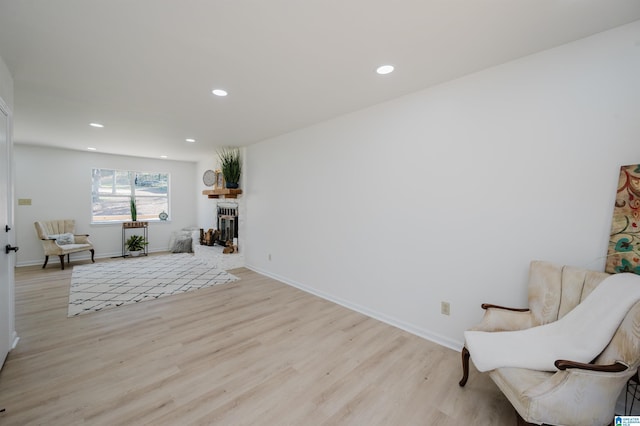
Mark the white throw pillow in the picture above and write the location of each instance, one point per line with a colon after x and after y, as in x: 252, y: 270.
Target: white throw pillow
x: 182, y: 243
x: 64, y: 239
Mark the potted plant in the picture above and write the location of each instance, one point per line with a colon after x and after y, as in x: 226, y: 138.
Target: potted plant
x: 135, y: 244
x: 231, y: 166
x: 134, y: 210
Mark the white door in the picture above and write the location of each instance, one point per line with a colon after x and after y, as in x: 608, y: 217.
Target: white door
x: 7, y: 260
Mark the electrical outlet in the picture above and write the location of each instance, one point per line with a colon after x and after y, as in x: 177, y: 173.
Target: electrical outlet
x: 445, y: 308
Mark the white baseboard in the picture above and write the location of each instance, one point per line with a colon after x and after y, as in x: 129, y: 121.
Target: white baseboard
x: 85, y: 255
x: 410, y: 328
x: 14, y: 340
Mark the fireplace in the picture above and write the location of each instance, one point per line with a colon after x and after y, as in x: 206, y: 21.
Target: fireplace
x: 227, y: 222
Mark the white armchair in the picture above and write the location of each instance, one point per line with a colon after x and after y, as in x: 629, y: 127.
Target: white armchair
x: 58, y: 238
x: 577, y: 393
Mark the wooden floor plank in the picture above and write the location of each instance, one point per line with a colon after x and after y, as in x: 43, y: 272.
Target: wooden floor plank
x: 254, y: 352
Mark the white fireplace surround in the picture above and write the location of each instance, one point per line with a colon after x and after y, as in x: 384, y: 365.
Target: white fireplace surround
x: 214, y: 253
x: 227, y: 220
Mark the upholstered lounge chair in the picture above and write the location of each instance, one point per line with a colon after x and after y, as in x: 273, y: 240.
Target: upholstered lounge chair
x: 575, y: 394
x: 58, y: 238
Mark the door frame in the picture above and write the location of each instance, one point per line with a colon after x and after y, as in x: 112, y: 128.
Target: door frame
x: 9, y: 167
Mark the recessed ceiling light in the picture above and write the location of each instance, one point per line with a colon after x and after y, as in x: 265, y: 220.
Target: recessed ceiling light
x: 190, y: 140
x: 96, y: 125
x: 163, y: 156
x: 90, y: 148
x: 384, y: 69
x: 219, y: 92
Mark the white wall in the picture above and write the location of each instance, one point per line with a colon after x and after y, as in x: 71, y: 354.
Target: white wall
x: 58, y: 182
x: 448, y: 193
x: 6, y: 85
x: 206, y: 206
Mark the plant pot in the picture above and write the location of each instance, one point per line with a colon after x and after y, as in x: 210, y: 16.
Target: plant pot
x: 232, y: 185
x: 134, y: 253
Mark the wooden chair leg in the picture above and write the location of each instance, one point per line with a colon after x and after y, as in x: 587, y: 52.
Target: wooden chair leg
x: 92, y: 253
x: 61, y: 261
x: 521, y: 421
x: 465, y: 366
x: 46, y: 259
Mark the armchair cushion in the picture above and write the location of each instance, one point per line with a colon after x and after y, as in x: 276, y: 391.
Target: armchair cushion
x: 64, y: 239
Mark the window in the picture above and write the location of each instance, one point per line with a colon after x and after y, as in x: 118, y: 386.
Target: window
x: 111, y: 192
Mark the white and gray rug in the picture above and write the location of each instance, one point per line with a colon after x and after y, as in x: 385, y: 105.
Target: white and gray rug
x: 105, y: 285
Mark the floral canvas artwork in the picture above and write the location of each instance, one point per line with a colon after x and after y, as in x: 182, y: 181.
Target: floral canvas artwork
x: 624, y: 244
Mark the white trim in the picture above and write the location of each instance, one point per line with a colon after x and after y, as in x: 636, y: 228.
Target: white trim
x: 82, y: 255
x: 410, y: 328
x: 14, y: 340
x: 10, y: 176
x: 11, y: 237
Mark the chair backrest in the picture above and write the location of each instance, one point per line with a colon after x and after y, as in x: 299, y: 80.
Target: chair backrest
x: 554, y: 290
x: 625, y: 344
x: 54, y: 227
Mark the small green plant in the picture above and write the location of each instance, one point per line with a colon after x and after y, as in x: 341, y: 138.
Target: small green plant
x: 231, y: 165
x: 134, y: 211
x: 136, y: 243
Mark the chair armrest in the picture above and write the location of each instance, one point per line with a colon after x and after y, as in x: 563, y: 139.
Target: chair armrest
x: 504, y: 320
x: 82, y: 239
x: 593, y: 395
x: 51, y: 247
x: 563, y: 364
x: 488, y: 305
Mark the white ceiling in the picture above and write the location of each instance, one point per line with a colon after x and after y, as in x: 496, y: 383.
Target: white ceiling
x: 145, y: 68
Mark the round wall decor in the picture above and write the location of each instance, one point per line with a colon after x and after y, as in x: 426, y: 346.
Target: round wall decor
x: 209, y: 177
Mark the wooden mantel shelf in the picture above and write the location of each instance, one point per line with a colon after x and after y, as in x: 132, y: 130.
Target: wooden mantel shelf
x: 222, y: 193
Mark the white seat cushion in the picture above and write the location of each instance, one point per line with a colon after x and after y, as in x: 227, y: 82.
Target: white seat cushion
x: 514, y: 382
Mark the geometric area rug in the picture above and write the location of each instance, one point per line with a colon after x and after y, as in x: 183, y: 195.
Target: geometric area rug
x: 106, y: 285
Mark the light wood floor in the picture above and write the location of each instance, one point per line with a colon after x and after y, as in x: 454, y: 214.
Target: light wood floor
x: 254, y: 352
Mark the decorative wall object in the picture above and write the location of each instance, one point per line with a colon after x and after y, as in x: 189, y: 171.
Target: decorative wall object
x: 624, y: 244
x: 209, y: 178
x: 219, y: 184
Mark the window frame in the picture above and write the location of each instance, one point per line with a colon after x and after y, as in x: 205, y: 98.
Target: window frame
x: 132, y: 192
